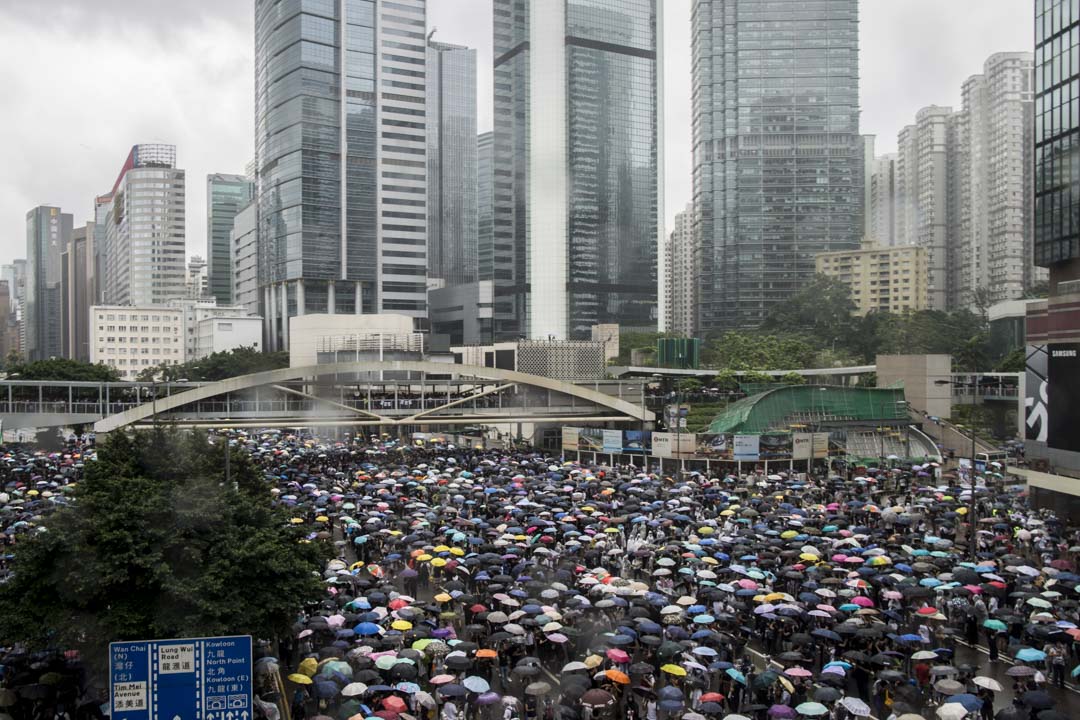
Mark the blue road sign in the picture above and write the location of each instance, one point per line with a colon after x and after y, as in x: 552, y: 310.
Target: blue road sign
x: 190, y: 679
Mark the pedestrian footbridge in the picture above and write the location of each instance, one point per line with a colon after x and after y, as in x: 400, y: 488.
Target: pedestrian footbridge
x: 390, y: 393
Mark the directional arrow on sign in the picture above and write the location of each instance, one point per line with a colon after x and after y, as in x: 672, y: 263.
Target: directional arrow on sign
x: 244, y: 715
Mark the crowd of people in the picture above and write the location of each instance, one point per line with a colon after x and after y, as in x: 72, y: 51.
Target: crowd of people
x: 499, y: 585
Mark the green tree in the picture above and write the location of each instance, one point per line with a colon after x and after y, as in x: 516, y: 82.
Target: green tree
x: 157, y: 544
x: 822, y: 310
x: 1016, y: 361
x: 793, y: 378
x: 219, y: 366
x: 689, y: 385
x: 64, y: 369
x: 753, y: 351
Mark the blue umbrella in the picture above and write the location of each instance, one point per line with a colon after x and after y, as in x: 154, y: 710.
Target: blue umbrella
x: 367, y: 629
x: 1030, y: 655
x: 969, y: 701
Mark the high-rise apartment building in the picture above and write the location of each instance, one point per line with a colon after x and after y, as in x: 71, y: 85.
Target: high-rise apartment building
x: 867, y: 174
x: 48, y: 233
x: 144, y: 229
x: 995, y: 184
x: 575, y: 173
x: 778, y: 159
x: 340, y: 158
x: 681, y: 276
x: 882, y: 209
x: 485, y: 209
x: 881, y: 279
x: 925, y: 201
x: 451, y: 162
x: 226, y: 195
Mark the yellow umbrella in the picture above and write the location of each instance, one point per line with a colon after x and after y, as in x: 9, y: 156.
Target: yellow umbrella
x: 443, y: 597
x: 401, y: 625
x: 308, y: 666
x: 788, y: 534
x: 787, y: 684
x: 423, y: 557
x: 593, y: 661
x: 441, y: 548
x: 357, y: 565
x: 706, y: 530
x: 809, y: 557
x: 673, y: 670
x: 710, y: 560
x: 300, y: 679
x: 611, y: 530
x: 322, y: 518
x: 457, y: 551
x: 438, y: 562
x: 296, y: 521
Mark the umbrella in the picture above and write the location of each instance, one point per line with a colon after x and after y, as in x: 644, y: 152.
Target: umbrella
x: 811, y: 709
x: 597, y: 698
x: 537, y: 688
x: 855, y: 706
x: 987, y: 682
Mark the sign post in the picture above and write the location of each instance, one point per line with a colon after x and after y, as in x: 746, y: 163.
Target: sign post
x: 188, y: 679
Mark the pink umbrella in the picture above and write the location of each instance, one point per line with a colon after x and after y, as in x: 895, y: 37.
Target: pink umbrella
x: 975, y: 589
x: 839, y: 557
x: 891, y: 595
x: 826, y: 608
x: 798, y: 672
x: 862, y: 601
x: 441, y: 679
x: 617, y: 655
x: 853, y: 560
x: 747, y: 584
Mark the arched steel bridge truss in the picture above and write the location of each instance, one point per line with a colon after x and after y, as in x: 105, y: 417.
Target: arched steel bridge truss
x: 390, y: 393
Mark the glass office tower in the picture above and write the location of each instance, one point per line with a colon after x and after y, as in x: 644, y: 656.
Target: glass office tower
x: 451, y: 132
x: 575, y: 166
x: 226, y: 195
x: 777, y: 151
x: 340, y: 155
x: 1057, y: 145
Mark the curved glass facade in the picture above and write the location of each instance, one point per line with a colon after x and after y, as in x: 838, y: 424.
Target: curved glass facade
x: 777, y: 151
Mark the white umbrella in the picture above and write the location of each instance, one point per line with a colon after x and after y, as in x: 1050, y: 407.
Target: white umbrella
x: 987, y: 682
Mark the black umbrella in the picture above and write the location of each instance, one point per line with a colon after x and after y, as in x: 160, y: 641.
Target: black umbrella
x: 1037, y: 699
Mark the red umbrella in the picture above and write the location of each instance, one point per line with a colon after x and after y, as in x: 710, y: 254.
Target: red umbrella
x: 394, y: 704
x: 712, y: 697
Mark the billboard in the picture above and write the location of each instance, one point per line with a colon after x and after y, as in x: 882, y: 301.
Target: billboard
x: 801, y: 445
x: 716, y: 446
x: 746, y: 447
x: 570, y: 438
x: 821, y: 445
x: 591, y: 439
x: 612, y: 441
x: 774, y: 446
x: 637, y: 441
x: 669, y: 445
x: 1035, y: 400
x: 1063, y: 397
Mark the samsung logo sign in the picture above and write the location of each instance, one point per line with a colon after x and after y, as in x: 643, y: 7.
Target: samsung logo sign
x: 1063, y: 353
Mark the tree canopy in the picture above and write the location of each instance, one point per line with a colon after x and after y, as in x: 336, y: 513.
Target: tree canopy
x: 63, y: 369
x: 157, y: 544
x: 220, y: 365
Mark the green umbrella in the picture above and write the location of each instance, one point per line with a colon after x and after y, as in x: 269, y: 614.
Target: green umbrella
x: 994, y: 625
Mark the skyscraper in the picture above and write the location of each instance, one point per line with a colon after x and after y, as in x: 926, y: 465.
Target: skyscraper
x: 226, y: 195
x: 144, y: 229
x: 77, y: 281
x: 994, y: 155
x: 575, y: 174
x: 777, y: 150
x: 340, y: 158
x: 485, y: 208
x: 48, y: 233
x: 452, y: 147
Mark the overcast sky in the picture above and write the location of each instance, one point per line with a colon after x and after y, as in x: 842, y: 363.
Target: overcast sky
x: 84, y: 81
